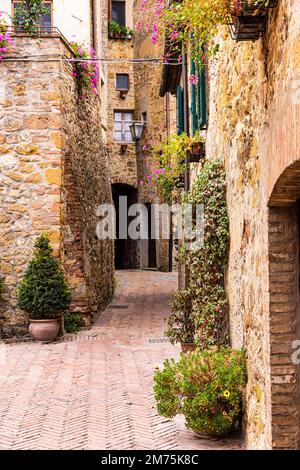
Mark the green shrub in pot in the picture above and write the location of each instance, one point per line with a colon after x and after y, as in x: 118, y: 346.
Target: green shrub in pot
x: 43, y: 292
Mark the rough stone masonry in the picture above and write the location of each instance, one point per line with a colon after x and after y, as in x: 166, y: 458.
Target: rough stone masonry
x: 254, y: 124
x: 53, y: 174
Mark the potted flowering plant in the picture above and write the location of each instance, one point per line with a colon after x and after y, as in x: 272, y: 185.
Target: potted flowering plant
x: 43, y: 292
x: 206, y: 387
x: 113, y: 29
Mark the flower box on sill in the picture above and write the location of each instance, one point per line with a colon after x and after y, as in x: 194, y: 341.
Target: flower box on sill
x: 119, y: 36
x: 248, y: 18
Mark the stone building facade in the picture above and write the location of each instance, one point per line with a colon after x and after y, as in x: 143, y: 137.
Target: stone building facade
x: 53, y: 175
x: 254, y: 124
x: 129, y: 57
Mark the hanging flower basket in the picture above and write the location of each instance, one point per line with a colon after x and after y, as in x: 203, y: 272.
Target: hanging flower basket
x: 197, y: 152
x: 248, y: 18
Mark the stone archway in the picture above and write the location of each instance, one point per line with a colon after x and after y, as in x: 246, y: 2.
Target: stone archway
x: 284, y: 281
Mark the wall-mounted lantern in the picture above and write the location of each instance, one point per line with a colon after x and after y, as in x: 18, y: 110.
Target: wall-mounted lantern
x: 136, y: 130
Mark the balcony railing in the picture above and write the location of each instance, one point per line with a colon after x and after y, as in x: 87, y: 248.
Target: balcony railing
x: 44, y: 32
x: 248, y: 18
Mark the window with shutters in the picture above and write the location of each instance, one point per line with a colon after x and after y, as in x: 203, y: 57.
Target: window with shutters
x: 122, y: 123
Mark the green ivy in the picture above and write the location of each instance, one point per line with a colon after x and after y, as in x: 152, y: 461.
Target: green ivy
x: 206, y: 387
x: 206, y: 290
x: 73, y: 322
x: 43, y: 292
x: 27, y: 15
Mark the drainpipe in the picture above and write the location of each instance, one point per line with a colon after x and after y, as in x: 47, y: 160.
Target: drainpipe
x: 94, y: 29
x: 94, y: 40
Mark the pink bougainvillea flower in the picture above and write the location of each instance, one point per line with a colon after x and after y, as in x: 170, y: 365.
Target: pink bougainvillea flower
x: 138, y: 26
x: 174, y: 35
x: 193, y: 80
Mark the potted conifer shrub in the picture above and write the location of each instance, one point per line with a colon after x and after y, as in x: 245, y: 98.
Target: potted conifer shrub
x: 43, y: 292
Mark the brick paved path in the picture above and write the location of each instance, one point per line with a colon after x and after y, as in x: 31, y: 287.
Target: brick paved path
x: 95, y: 392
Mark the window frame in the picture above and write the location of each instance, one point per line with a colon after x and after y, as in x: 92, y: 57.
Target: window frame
x: 46, y: 1
x: 123, y: 131
x: 111, y: 10
x: 119, y: 88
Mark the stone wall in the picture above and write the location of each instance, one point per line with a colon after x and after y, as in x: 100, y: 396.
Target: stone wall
x: 161, y: 116
x: 123, y: 163
x: 254, y: 124
x: 53, y: 174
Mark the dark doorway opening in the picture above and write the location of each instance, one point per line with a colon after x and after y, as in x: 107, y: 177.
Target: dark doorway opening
x: 151, y: 238
x: 126, y: 250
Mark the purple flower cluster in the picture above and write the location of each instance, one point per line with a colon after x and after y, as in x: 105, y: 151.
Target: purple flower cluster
x: 86, y: 71
x: 5, y: 42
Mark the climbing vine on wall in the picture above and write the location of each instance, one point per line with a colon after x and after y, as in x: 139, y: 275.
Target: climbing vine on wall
x: 86, y: 71
x: 206, y: 266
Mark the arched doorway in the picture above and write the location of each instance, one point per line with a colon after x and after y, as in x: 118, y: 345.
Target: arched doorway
x: 284, y: 297
x: 126, y: 250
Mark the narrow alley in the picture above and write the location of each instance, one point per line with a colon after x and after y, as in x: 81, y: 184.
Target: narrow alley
x: 95, y: 390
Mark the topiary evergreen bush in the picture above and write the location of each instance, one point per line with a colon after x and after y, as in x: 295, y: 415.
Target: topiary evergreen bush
x: 43, y: 292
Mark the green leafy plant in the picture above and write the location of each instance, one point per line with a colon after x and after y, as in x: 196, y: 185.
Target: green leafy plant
x: 181, y: 326
x: 43, y: 292
x: 115, y: 28
x: 166, y: 169
x: 73, y: 322
x: 206, y: 387
x: 206, y: 290
x: 27, y: 15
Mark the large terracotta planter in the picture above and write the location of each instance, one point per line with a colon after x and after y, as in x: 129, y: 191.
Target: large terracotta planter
x: 44, y: 330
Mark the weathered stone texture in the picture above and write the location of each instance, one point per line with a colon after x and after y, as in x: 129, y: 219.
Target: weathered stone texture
x: 41, y: 114
x: 254, y: 124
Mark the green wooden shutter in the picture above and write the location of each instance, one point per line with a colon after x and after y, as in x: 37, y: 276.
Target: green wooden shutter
x: 201, y: 92
x: 180, y: 123
x: 194, y: 101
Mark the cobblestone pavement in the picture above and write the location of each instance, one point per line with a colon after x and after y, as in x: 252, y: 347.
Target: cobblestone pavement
x: 95, y: 391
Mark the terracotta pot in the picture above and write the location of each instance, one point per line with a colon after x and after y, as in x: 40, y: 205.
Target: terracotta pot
x: 188, y: 347
x: 44, y: 330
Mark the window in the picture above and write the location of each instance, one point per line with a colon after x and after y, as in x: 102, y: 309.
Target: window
x: 122, y: 81
x: 144, y: 118
x: 46, y: 20
x: 118, y: 14
x: 122, y: 123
